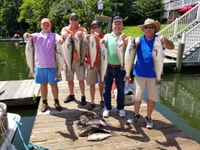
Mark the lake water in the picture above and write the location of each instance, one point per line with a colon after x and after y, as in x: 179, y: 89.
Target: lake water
x: 179, y: 100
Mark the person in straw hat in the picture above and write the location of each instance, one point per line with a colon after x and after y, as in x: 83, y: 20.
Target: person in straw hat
x: 144, y: 73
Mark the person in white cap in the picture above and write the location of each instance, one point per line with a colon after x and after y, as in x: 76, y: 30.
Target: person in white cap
x: 144, y: 73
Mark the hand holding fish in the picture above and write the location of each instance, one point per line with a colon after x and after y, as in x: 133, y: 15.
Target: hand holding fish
x: 27, y: 36
x: 166, y: 43
x: 59, y: 39
x: 102, y: 41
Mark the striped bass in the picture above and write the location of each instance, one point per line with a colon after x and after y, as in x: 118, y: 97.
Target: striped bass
x: 83, y: 49
x: 29, y: 52
x: 98, y: 136
x: 59, y: 61
x: 158, y: 59
x: 103, y: 62
x: 68, y: 51
x: 77, y: 44
x: 120, y: 52
x: 130, y: 54
x: 92, y: 50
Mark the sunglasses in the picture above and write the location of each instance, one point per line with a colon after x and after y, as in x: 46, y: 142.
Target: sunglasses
x: 94, y: 27
x: 148, y: 27
x: 74, y: 19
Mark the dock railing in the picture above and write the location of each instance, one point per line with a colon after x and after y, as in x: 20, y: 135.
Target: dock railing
x: 185, y: 22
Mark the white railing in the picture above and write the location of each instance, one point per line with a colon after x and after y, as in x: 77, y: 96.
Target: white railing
x: 173, y: 30
x: 178, y: 4
x: 192, y: 40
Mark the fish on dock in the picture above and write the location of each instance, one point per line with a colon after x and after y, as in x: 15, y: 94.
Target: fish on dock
x: 120, y: 52
x: 158, y: 59
x: 98, y: 136
x: 68, y: 51
x: 94, y: 120
x: 92, y: 129
x: 29, y: 52
x: 130, y: 54
x: 59, y: 61
x: 103, y: 62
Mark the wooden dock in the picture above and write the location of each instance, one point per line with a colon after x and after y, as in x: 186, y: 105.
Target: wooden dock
x: 19, y: 92
x: 57, y: 130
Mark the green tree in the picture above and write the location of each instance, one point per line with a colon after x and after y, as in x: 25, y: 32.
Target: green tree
x: 148, y: 9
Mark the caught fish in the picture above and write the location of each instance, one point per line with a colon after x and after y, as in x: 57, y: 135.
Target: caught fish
x: 92, y: 121
x: 83, y: 49
x: 92, y: 50
x: 120, y: 52
x: 98, y: 136
x: 29, y: 51
x: 158, y: 59
x: 130, y: 54
x: 59, y: 61
x: 103, y: 62
x: 92, y: 129
x: 77, y: 44
x: 68, y: 53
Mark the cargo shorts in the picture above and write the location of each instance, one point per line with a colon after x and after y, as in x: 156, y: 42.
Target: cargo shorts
x: 141, y: 84
x: 76, y: 68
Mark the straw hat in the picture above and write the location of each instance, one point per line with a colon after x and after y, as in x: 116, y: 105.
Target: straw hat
x: 151, y: 21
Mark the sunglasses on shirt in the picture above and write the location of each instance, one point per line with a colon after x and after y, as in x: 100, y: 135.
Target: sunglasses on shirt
x: 148, y: 27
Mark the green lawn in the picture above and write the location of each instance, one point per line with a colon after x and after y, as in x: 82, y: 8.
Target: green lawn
x: 135, y: 30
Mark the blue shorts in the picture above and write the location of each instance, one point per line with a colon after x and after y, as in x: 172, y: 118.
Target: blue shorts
x: 45, y: 75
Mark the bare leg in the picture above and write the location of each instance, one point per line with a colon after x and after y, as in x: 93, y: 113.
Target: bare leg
x: 44, y: 91
x: 54, y: 88
x: 82, y: 87
x: 92, y: 93
x: 71, y: 87
x: 150, y: 107
x: 101, y: 87
x: 137, y: 107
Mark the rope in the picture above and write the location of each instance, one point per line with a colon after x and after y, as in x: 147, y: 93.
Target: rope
x: 30, y: 146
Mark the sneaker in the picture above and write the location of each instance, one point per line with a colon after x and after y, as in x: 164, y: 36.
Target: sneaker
x: 122, y: 113
x: 106, y: 113
x: 101, y: 103
x: 91, y: 106
x: 133, y: 119
x: 58, y: 107
x: 83, y: 100
x: 69, y: 98
x: 44, y: 107
x: 130, y: 93
x: 149, y: 123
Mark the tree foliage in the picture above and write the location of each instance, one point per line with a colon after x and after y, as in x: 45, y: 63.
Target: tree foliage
x: 148, y: 9
x: 25, y: 15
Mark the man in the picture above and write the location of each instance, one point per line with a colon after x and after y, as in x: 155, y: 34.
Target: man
x: 77, y: 68
x: 45, y: 71
x: 92, y: 75
x: 145, y: 76
x: 114, y: 70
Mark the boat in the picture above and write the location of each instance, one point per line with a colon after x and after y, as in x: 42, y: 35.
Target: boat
x: 8, y: 127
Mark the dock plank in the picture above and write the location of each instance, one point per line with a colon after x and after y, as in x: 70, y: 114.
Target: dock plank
x: 57, y: 128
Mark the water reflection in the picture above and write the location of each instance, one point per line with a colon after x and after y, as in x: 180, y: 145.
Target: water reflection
x: 13, y: 64
x: 181, y: 94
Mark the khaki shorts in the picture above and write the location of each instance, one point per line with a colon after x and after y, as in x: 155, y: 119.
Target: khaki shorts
x: 141, y: 83
x: 76, y: 68
x: 92, y: 75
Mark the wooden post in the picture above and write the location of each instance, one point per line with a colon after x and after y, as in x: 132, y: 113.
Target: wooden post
x: 181, y: 48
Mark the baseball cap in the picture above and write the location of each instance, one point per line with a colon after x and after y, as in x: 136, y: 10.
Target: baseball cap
x: 72, y: 15
x: 95, y: 22
x: 45, y: 20
x: 117, y: 18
